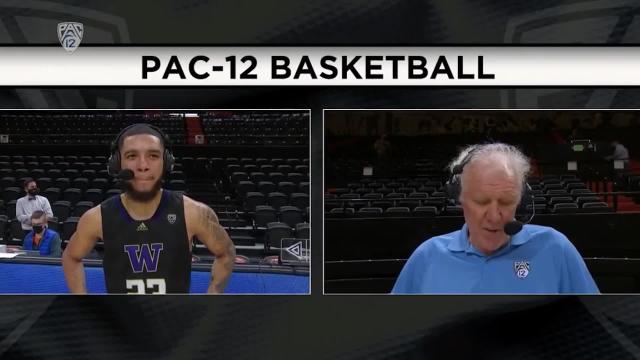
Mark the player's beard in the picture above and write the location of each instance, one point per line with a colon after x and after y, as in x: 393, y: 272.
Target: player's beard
x: 142, y: 196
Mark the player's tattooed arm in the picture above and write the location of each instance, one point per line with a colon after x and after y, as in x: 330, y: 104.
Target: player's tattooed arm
x: 216, y: 239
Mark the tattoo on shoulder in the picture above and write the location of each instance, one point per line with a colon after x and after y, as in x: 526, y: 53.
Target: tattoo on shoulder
x: 208, y: 218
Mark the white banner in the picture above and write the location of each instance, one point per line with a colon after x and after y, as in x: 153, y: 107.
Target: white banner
x: 320, y: 66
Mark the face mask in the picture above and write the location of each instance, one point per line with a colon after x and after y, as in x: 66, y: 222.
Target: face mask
x: 38, y: 228
x: 33, y: 192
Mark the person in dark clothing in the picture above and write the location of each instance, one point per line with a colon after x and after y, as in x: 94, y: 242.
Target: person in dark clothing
x: 146, y: 230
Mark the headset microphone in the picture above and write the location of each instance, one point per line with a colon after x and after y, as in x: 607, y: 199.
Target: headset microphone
x: 125, y: 174
x: 513, y: 227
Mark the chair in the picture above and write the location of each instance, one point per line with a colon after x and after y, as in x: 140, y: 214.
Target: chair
x: 201, y: 166
x: 564, y: 208
x: 4, y: 220
x: 80, y: 183
x: 296, y: 178
x: 286, y: 187
x: 93, y: 195
x: 266, y: 187
x: 303, y: 187
x: 11, y: 193
x: 263, y: 215
x: 276, y: 177
x: 100, y: 183
x: 340, y: 212
x: 254, y: 199
x: 303, y: 231
x: 257, y: 176
x: 21, y: 173
x: 53, y: 224
x: 383, y: 204
x: 575, y: 185
x: 425, y: 211
x: 276, y: 231
x: 244, y: 187
x: 285, y: 169
x: 290, y: 215
x: 177, y: 185
x: 372, y: 196
x: 11, y: 209
x: 395, y: 196
x: 397, y: 211
x: 89, y: 174
x: 596, y: 207
x: 539, y: 208
x: 558, y: 192
x: 62, y: 183
x: 267, y: 168
x: 453, y: 210
x: 61, y: 209
x: 44, y: 183
x: 69, y: 228
x: 72, y: 195
x: 177, y: 175
x: 410, y: 203
x: 71, y: 173
x: 81, y: 208
x: 54, y: 173
x: 8, y: 181
x: 238, y: 176
x: 277, y: 199
x: 406, y: 190
x: 576, y: 192
x: 16, y: 236
x: 249, y: 168
x: 299, y: 200
x: 52, y: 194
x: 418, y: 195
x: 560, y: 199
x: 581, y: 200
x: 112, y: 192
x: 366, y: 212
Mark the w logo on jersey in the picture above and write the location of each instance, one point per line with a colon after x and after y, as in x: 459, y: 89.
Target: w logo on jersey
x: 144, y: 257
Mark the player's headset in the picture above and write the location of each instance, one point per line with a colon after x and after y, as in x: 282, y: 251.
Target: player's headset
x: 114, y: 163
x: 524, y: 213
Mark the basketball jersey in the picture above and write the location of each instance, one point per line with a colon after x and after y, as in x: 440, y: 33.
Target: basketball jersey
x: 148, y: 256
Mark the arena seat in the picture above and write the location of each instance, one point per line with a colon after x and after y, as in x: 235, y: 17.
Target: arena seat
x: 397, y: 211
x: 61, y: 209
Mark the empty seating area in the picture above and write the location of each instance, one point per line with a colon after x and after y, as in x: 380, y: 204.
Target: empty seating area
x: 99, y: 128
x: 256, y: 128
x: 426, y: 196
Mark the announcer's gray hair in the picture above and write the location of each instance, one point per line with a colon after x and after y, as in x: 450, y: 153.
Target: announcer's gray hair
x: 516, y: 160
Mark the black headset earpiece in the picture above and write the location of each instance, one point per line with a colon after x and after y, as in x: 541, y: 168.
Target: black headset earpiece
x: 113, y: 164
x: 453, y: 184
x: 526, y: 200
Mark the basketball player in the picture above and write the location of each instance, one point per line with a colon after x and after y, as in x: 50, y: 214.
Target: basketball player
x: 146, y: 230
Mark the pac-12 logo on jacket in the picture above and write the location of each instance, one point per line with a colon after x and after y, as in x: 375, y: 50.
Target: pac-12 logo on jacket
x: 145, y: 257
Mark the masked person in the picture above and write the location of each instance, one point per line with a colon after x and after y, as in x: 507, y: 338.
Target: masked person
x: 42, y: 238
x: 147, y: 231
x: 26, y: 205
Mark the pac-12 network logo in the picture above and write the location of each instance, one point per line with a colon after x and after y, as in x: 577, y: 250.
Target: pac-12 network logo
x: 70, y: 35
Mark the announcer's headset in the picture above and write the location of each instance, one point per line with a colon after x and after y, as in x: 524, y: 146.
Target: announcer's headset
x: 524, y: 212
x: 114, y: 165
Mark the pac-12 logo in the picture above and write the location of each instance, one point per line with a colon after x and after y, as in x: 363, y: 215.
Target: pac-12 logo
x: 521, y: 268
x: 70, y: 35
